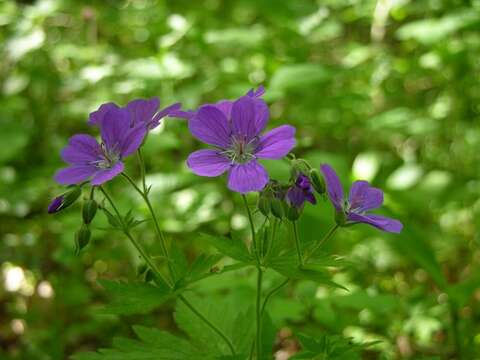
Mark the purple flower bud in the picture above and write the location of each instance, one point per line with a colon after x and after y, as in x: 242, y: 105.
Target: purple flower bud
x: 300, y: 192
x: 55, y: 205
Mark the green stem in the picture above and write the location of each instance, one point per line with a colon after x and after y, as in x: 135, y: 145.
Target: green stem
x: 134, y: 242
x: 258, y: 343
x: 272, y: 238
x: 297, y: 243
x: 321, y: 242
x: 150, y: 263
x: 271, y: 293
x: 142, y: 170
x: 252, y: 228
x: 206, y: 321
x: 159, y: 232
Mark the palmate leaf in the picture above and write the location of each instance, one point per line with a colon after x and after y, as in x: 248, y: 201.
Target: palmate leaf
x: 329, y: 348
x: 153, y: 344
x: 235, y: 248
x: 133, y: 297
x: 238, y: 326
x: 315, y: 269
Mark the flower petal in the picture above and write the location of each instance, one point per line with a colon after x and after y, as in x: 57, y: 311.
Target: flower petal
x: 225, y: 106
x: 334, y: 187
x: 81, y: 150
x: 244, y: 178
x: 296, y: 196
x: 276, y: 143
x: 55, y: 205
x: 142, y: 110
x: 102, y: 176
x: 256, y: 93
x: 115, y: 127
x: 74, y: 174
x: 133, y: 139
x: 378, y: 221
x: 171, y: 110
x: 96, y: 117
x: 210, y: 126
x: 243, y: 118
x: 364, y: 197
x: 208, y: 163
x: 310, y: 197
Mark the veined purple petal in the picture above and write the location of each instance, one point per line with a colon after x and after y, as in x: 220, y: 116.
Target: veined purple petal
x: 74, y: 174
x: 96, y: 117
x: 115, y: 127
x: 334, y: 187
x: 182, y: 114
x: 378, y: 221
x: 103, y: 175
x: 363, y: 197
x: 244, y: 178
x: 256, y: 93
x: 133, y: 139
x: 208, y: 163
x: 262, y: 115
x: 142, y: 110
x: 225, y: 106
x: 243, y: 118
x: 296, y: 196
x: 310, y: 197
x: 171, y: 110
x: 276, y: 143
x: 210, y: 126
x: 81, y: 149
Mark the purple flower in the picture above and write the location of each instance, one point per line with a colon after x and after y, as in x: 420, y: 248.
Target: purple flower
x: 300, y: 192
x: 101, y: 162
x: 362, y: 198
x: 141, y: 111
x: 233, y: 128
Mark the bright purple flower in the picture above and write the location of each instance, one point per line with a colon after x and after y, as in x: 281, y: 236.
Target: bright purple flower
x: 300, y: 192
x: 233, y: 128
x: 101, y: 162
x: 362, y: 198
x: 141, y: 111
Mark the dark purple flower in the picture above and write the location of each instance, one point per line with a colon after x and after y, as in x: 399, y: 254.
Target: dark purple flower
x: 233, y: 128
x: 300, y: 192
x: 55, y: 205
x: 362, y: 198
x: 141, y: 111
x: 101, y: 162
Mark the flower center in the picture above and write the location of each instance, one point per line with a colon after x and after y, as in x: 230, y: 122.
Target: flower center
x: 241, y: 150
x: 108, y: 157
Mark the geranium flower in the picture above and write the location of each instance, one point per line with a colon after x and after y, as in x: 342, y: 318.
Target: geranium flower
x: 361, y: 200
x: 101, y: 162
x: 141, y: 111
x: 234, y: 128
x: 300, y: 192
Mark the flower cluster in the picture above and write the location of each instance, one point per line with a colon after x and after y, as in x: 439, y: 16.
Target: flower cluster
x: 235, y: 132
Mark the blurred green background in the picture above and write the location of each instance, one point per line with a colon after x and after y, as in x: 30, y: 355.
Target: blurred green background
x: 386, y: 91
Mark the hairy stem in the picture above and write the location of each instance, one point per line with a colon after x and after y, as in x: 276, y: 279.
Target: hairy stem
x: 297, y: 243
x: 273, y: 292
x: 150, y: 263
x: 258, y: 312
x: 252, y: 229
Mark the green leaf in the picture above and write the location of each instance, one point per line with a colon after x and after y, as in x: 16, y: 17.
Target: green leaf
x: 235, y: 249
x: 202, y: 266
x: 153, y: 344
x: 287, y: 265
x: 179, y: 262
x: 225, y: 315
x: 133, y: 297
x: 329, y: 348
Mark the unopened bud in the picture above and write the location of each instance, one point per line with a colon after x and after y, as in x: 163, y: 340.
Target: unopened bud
x: 65, y: 200
x: 293, y: 213
x: 89, y: 210
x: 317, y: 181
x: 278, y: 208
x: 264, y: 204
x: 82, y: 238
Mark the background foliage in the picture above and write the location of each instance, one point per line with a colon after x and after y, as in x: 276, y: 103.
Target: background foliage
x: 384, y: 90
